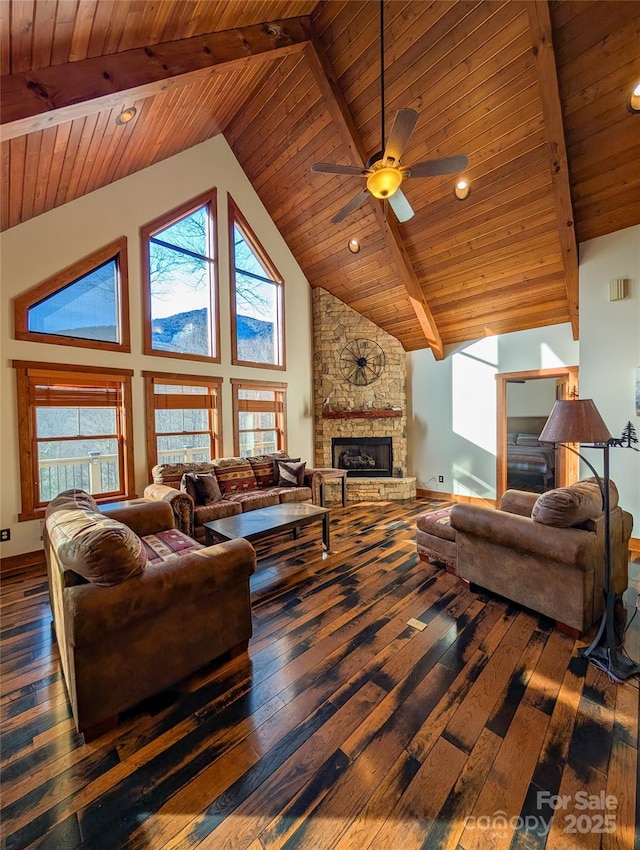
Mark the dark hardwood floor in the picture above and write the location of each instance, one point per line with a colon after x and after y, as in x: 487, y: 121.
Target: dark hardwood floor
x: 345, y: 727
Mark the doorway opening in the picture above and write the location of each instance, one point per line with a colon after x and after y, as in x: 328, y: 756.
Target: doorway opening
x: 525, y: 400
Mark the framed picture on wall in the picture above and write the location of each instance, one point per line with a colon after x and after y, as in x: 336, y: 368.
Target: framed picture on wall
x: 637, y: 390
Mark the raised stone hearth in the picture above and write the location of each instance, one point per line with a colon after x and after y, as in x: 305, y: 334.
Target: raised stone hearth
x: 372, y: 489
x: 345, y: 410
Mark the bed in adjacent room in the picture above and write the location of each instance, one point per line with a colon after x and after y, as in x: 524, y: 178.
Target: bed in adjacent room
x: 531, y: 464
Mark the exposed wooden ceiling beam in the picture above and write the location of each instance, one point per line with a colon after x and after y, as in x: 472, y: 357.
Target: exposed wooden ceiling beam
x: 540, y: 27
x: 337, y: 106
x: 46, y: 97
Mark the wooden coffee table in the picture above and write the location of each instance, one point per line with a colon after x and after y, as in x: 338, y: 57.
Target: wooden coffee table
x: 253, y: 525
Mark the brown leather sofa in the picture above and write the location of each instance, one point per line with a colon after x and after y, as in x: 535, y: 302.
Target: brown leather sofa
x: 553, y: 563
x: 245, y: 484
x: 137, y: 606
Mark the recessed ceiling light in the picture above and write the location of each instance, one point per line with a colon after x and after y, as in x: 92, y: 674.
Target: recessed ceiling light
x: 126, y: 115
x: 634, y: 100
x: 354, y: 246
x: 461, y: 190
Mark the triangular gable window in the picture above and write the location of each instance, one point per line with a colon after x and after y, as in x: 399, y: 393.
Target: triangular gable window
x: 86, y: 305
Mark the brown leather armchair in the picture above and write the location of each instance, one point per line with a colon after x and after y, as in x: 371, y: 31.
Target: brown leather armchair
x: 126, y: 630
x: 556, y: 571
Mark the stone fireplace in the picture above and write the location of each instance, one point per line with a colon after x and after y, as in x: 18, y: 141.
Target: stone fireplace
x: 348, y: 414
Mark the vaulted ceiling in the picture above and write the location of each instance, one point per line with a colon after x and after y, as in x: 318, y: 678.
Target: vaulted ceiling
x: 535, y: 94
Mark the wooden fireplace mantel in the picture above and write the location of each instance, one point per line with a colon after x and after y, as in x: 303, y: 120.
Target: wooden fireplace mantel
x: 385, y: 413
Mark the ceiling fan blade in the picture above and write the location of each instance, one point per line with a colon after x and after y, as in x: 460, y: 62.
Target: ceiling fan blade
x: 350, y: 207
x: 400, y: 205
x: 402, y: 127
x: 433, y: 167
x: 330, y: 168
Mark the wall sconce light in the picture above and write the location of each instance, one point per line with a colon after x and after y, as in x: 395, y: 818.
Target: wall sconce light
x: 354, y: 246
x: 634, y: 100
x: 126, y: 115
x: 461, y: 190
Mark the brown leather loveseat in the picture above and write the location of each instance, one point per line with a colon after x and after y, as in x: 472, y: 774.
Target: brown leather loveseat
x: 545, y: 552
x: 137, y: 605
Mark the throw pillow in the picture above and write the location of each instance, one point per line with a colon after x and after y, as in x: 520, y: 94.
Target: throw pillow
x: 570, y: 506
x: 262, y: 466
x: 166, y: 545
x: 188, y: 485
x: 203, y: 487
x: 207, y: 488
x: 98, y: 548
x: 291, y: 473
x: 276, y: 458
x: 234, y: 475
x: 528, y: 439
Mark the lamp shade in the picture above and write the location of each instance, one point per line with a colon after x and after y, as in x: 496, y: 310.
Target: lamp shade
x: 576, y: 421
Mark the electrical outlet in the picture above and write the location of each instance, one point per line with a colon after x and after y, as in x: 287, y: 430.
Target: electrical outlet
x: 440, y: 479
x: 5, y: 535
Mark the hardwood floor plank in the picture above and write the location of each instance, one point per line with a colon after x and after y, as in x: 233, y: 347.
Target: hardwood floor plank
x: 546, y: 679
x: 514, y: 690
x: 591, y: 738
x: 623, y: 766
x: 416, y: 810
x: 566, y: 832
x: 367, y: 820
x: 507, y: 782
x: 552, y: 759
x: 435, y: 724
x: 466, y: 724
x: 32, y: 802
x: 447, y: 830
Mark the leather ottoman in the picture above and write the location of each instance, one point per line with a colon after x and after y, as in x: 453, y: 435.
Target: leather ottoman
x: 435, y: 537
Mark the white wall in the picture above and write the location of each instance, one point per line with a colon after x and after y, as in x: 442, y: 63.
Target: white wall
x: 610, y: 350
x: 452, y: 427
x: 531, y: 398
x: 34, y: 251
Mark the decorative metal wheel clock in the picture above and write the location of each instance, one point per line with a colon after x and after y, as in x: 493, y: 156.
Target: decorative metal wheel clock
x: 362, y: 361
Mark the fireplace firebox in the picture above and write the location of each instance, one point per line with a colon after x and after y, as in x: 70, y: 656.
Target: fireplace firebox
x: 363, y: 457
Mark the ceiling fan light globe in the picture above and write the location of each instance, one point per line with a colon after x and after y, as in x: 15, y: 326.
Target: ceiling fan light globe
x: 384, y: 182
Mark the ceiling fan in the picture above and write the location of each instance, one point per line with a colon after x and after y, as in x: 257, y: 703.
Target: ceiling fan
x: 383, y: 170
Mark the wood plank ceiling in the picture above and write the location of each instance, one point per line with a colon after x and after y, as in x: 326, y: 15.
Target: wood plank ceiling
x: 535, y: 95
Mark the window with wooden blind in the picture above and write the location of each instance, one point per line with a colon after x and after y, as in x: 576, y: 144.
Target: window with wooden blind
x: 179, y: 267
x: 259, y: 417
x: 183, y: 418
x: 86, y: 305
x: 74, y: 431
x: 257, y: 298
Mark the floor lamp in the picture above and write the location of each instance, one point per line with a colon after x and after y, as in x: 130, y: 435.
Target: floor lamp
x: 578, y: 421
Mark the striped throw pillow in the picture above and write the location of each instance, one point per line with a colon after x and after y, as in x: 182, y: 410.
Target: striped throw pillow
x: 291, y: 473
